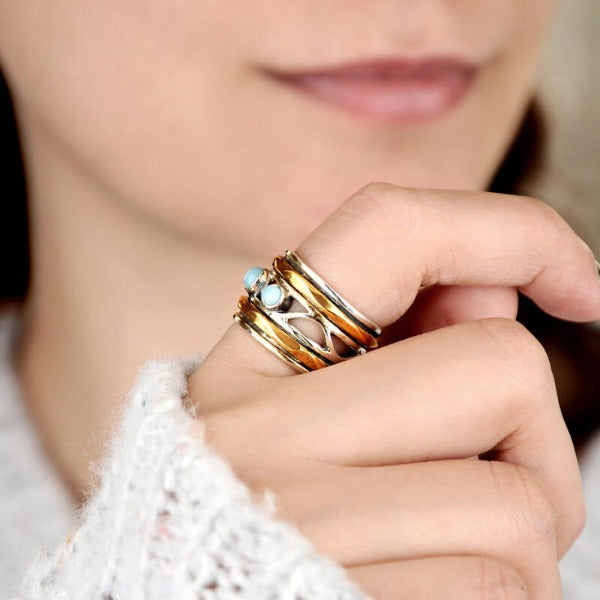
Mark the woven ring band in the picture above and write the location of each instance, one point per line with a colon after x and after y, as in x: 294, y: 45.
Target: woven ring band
x: 291, y: 292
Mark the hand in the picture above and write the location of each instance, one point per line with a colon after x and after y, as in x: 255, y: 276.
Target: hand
x: 375, y: 459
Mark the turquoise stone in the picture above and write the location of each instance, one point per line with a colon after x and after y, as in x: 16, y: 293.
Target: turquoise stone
x: 271, y: 295
x: 251, y: 276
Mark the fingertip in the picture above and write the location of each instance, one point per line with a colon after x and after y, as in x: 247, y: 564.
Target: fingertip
x: 575, y: 293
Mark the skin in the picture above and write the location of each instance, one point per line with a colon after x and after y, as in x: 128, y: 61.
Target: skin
x: 162, y: 163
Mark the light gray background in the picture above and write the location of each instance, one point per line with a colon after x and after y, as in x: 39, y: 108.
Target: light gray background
x: 570, y: 91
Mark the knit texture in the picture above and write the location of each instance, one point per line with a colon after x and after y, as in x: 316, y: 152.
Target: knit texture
x: 171, y: 520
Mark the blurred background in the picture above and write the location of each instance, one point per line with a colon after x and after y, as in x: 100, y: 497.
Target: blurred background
x: 570, y: 92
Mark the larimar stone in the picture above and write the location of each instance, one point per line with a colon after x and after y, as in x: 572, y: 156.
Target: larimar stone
x: 271, y: 295
x: 251, y: 277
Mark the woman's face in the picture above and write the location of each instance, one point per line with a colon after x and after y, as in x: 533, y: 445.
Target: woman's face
x: 170, y: 107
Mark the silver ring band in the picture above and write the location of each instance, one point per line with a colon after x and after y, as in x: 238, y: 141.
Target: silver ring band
x: 357, y: 317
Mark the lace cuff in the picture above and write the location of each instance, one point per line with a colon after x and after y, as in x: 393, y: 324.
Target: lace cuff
x: 171, y: 520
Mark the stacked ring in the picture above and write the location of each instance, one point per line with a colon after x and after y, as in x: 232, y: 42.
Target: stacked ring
x: 292, y: 292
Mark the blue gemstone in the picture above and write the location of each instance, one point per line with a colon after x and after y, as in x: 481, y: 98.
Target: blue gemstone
x: 251, y: 276
x: 271, y: 295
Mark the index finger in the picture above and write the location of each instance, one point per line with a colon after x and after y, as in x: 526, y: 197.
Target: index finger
x: 385, y: 242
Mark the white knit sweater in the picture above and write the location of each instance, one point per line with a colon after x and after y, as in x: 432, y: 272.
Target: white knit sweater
x: 169, y: 519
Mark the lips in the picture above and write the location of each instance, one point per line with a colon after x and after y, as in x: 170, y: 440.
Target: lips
x: 398, y: 90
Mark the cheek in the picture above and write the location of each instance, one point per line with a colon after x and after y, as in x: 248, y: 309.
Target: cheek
x: 131, y: 90
x: 157, y: 100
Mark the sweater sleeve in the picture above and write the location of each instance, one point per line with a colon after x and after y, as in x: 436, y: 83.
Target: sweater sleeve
x: 170, y: 519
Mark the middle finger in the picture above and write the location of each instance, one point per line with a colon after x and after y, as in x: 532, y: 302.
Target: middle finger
x: 455, y: 392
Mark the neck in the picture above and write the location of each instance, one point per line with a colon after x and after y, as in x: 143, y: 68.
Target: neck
x: 110, y: 289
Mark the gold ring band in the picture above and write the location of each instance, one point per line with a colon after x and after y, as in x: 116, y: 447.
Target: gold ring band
x: 291, y: 293
x: 322, y: 303
x: 270, y: 335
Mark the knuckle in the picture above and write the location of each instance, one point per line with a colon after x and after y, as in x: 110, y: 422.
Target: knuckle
x: 515, y: 349
x: 496, y: 580
x: 548, y: 221
x: 372, y: 191
x: 369, y: 200
x: 531, y: 517
x: 551, y: 216
x: 561, y: 237
x: 379, y: 202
